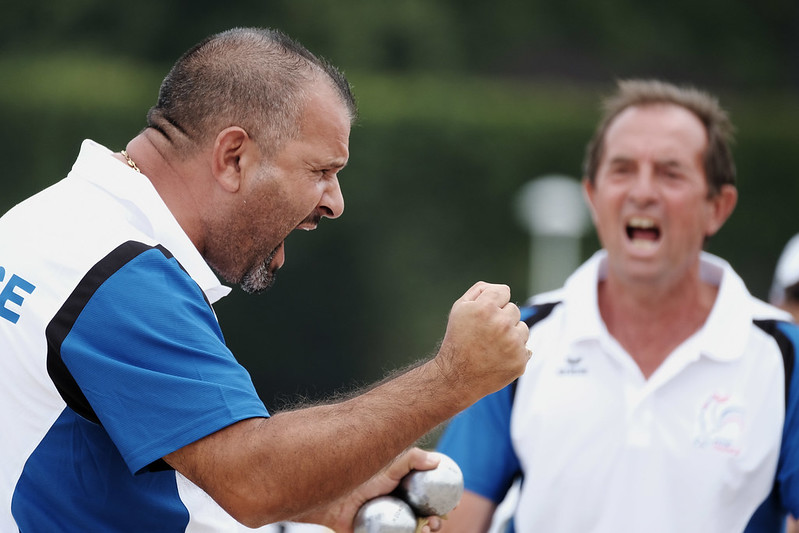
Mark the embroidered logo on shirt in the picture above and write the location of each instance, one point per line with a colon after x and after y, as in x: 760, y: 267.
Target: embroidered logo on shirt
x: 573, y: 366
x: 720, y: 424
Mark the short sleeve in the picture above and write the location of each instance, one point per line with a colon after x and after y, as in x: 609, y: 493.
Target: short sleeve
x: 147, y: 353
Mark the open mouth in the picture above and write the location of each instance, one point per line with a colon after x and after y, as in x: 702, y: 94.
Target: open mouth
x: 643, y: 232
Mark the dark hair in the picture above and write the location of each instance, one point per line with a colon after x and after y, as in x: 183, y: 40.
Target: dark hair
x: 250, y: 77
x: 718, y: 162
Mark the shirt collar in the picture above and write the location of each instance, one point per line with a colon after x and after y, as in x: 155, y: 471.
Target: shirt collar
x: 582, y: 319
x: 722, y: 337
x: 149, y: 213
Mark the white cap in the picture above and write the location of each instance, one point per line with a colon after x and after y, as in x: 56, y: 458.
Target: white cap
x: 787, y: 271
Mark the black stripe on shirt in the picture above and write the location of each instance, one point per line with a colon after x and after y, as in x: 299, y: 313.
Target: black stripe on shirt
x: 541, y: 312
x: 786, y: 349
x: 63, y: 321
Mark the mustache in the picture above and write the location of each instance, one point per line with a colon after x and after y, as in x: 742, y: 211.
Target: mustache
x: 312, y: 219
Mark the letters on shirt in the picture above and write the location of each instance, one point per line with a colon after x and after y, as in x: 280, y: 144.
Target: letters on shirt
x: 12, y: 295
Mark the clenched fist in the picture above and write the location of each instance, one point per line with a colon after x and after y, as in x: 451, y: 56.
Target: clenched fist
x: 484, y: 346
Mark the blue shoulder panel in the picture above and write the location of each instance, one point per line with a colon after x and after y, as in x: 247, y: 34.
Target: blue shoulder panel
x: 784, y: 498
x: 147, y: 354
x: 788, y: 468
x: 139, y: 358
x: 478, y: 440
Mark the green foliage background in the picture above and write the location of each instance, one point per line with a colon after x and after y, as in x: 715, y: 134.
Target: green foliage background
x: 461, y: 104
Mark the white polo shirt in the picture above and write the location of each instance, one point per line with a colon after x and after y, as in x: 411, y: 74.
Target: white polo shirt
x: 110, y: 358
x: 602, y: 449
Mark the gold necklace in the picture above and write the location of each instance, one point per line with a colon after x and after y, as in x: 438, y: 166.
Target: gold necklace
x: 130, y: 161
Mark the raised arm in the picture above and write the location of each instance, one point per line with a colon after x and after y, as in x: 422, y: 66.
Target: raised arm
x: 266, y: 470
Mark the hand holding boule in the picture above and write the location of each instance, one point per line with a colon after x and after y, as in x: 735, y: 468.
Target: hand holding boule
x: 385, y: 514
x: 433, y: 492
x: 420, y: 494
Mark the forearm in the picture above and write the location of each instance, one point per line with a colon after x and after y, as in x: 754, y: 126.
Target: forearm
x: 265, y: 470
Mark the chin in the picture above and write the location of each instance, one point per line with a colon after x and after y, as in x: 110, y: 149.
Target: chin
x: 260, y: 277
x: 258, y: 282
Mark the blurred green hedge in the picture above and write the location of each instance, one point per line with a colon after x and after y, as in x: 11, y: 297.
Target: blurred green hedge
x: 435, y: 164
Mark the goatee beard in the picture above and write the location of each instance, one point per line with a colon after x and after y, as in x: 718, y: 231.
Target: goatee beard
x: 260, y: 278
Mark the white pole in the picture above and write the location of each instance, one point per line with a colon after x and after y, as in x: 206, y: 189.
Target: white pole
x: 553, y: 211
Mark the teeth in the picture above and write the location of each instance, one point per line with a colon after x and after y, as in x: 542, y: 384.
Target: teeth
x: 643, y: 244
x: 641, y: 222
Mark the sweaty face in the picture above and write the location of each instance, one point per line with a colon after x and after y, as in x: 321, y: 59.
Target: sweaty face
x: 294, y: 189
x: 650, y: 199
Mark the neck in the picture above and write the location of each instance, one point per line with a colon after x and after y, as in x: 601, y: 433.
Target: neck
x: 651, y: 322
x: 170, y: 177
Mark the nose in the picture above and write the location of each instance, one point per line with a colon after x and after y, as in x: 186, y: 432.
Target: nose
x: 643, y: 189
x: 332, y: 202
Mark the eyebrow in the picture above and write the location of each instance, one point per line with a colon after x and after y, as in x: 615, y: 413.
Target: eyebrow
x: 337, y: 166
x: 338, y: 162
x: 670, y: 163
x: 624, y: 160
x: 619, y: 160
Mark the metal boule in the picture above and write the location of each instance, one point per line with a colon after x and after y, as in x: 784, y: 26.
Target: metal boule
x: 385, y: 514
x: 433, y: 492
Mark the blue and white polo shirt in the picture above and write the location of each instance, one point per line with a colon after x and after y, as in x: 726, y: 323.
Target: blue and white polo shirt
x: 708, y: 444
x: 111, y: 357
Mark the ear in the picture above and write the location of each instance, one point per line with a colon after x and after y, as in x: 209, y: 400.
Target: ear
x: 588, y: 193
x: 230, y: 146
x: 721, y: 207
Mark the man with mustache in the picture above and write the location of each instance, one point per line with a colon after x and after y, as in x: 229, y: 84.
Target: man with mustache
x: 121, y: 407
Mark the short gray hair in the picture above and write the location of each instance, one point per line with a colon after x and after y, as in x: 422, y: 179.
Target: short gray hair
x: 254, y: 78
x: 718, y: 161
